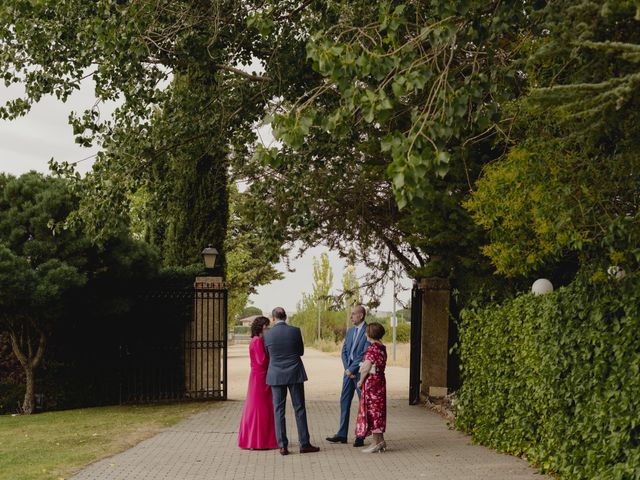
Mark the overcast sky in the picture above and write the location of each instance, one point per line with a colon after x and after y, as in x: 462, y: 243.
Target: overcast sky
x: 29, y: 142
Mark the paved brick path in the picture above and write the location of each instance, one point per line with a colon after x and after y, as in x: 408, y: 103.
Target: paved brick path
x: 204, y: 447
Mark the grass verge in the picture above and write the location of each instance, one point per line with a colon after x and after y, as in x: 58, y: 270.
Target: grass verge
x: 54, y: 445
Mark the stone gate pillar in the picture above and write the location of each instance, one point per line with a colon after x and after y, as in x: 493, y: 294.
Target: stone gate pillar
x: 204, y: 340
x: 435, y: 336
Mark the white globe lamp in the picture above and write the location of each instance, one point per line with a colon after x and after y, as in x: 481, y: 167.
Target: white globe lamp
x: 541, y: 286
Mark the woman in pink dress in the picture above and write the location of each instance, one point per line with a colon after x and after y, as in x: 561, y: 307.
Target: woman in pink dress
x: 257, y: 426
x: 372, y: 412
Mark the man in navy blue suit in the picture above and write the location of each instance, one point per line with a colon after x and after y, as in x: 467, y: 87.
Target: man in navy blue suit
x: 353, y: 349
x: 284, y: 346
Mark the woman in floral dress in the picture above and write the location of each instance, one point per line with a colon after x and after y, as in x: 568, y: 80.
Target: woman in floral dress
x: 372, y: 413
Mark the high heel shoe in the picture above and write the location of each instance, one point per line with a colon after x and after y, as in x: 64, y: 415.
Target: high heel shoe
x: 378, y: 448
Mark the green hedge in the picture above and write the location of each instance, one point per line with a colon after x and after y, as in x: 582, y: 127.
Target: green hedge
x: 557, y: 378
x: 242, y: 330
x: 403, y: 332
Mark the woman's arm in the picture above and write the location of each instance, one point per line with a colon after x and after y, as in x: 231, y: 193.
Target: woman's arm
x: 260, y: 352
x: 365, y: 368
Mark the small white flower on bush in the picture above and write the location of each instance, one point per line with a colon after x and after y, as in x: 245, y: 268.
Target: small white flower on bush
x: 616, y: 272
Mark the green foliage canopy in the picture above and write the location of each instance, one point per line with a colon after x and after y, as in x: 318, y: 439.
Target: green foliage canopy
x: 428, y: 79
x: 569, y: 186
x: 184, y: 107
x: 37, y: 268
x: 44, y: 266
x: 383, y: 145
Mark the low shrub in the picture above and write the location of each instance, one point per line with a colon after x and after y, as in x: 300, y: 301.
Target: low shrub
x: 403, y: 332
x: 11, y: 397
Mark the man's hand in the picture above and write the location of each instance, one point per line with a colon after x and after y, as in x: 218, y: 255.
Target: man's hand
x: 347, y: 373
x: 352, y: 376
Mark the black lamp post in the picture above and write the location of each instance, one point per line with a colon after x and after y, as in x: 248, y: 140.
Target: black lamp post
x: 209, y: 255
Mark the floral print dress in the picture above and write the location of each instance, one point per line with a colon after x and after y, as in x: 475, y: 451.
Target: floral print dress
x: 372, y: 413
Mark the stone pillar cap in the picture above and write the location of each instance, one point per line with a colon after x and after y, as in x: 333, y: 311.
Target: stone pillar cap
x: 209, y: 282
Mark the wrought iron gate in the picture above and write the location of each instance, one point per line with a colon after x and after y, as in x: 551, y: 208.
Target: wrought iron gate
x: 174, y: 347
x: 205, y: 346
x: 415, y: 364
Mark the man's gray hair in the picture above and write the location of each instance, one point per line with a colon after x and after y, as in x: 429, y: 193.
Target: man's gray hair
x: 279, y: 314
x: 362, y: 310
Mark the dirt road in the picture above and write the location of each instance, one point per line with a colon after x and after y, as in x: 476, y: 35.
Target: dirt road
x: 324, y: 372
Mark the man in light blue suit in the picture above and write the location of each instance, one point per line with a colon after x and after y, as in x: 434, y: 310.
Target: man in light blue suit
x: 353, y: 349
x: 284, y: 346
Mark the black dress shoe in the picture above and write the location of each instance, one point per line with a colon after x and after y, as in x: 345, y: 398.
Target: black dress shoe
x: 337, y: 439
x: 359, y: 442
x: 284, y: 451
x: 309, y: 449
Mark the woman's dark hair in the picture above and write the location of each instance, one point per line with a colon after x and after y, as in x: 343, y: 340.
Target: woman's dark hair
x: 375, y: 330
x: 257, y: 325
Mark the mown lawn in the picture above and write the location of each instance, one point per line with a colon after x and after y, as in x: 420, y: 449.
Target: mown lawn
x: 55, y: 445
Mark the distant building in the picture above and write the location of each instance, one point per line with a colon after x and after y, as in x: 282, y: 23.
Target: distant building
x: 247, y: 321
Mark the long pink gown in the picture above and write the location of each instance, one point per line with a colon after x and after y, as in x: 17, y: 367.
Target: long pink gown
x: 257, y: 427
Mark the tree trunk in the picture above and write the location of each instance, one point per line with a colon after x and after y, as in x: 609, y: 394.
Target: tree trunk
x: 29, y: 397
x: 23, y: 350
